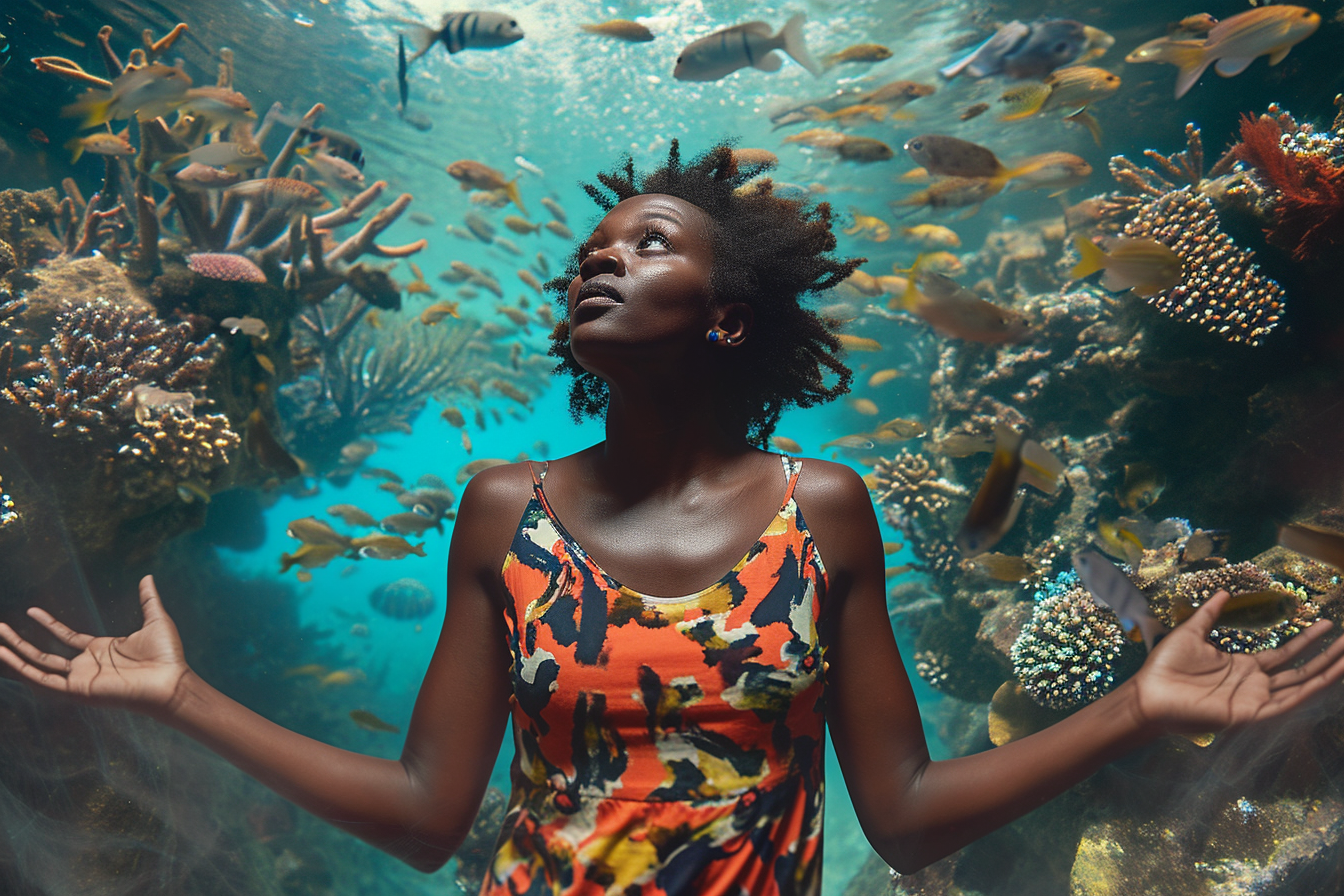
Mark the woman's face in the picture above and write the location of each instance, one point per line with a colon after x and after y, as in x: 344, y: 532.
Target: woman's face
x: 644, y: 281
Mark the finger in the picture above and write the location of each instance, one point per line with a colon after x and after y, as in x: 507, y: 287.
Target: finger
x: 1204, y: 618
x: 1294, y: 647
x: 67, y: 635
x: 1315, y: 666
x: 34, y: 674
x: 49, y: 662
x: 150, y: 602
x: 1292, y: 696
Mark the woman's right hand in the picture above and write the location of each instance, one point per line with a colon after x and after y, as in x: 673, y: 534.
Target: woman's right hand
x: 140, y: 672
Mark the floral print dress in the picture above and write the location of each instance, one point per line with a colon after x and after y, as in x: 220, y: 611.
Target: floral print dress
x: 664, y: 745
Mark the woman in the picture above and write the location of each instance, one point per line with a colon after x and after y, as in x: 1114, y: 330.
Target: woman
x: 669, y: 719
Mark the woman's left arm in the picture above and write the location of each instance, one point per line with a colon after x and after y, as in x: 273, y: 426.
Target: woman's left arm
x: 913, y: 810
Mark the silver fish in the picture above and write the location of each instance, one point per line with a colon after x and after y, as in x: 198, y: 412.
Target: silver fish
x: 473, y: 30
x: 1023, y: 50
x: 1112, y: 588
x: 747, y: 45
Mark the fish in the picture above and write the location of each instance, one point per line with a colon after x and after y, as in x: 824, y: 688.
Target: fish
x: 403, y: 88
x: 310, y: 556
x: 335, y: 170
x: 883, y: 376
x: 282, y: 193
x: 1199, y: 23
x: 559, y: 230
x: 1143, y: 265
x: 557, y: 212
x: 392, y: 488
x: 1049, y: 171
x: 1016, y: 460
x: 530, y: 279
x: 341, y: 677
x: 197, y: 177
x: 892, y: 547
x: 900, y: 429
x: 358, y: 451
x: 863, y: 149
x: 191, y: 491
x: 975, y: 110
x: 314, y: 670
x: 821, y: 138
x: 263, y: 445
x: 219, y: 106
x: 381, y: 473
x: 952, y: 192
x: 239, y: 157
x: 956, y: 311
x: 1232, y: 44
x: 858, y: 53
x: 750, y: 155
x: 370, y: 722
x: 408, y: 523
x: 511, y: 392
x: 248, y: 325
x: 1023, y: 50
x: 460, y: 31
x: 466, y: 441
x: 1247, y: 610
x: 338, y: 143
x: 953, y: 157
x: 508, y: 246
x: 265, y: 363
x: 787, y: 445
x: 961, y: 444
x: 480, y: 228
x: 521, y: 226
x: 386, y: 547
x: 1117, y: 538
x: 892, y: 572
x: 858, y: 441
x: 473, y: 175
x: 620, y: 29
x: 311, y: 530
x: 858, y: 343
x: 1074, y: 87
x: 873, y: 111
x: 145, y: 93
x: 868, y: 227
x: 101, y: 144
x: 437, y: 312
x: 865, y: 406
x: 424, y: 219
x: 1110, y: 587
x: 931, y: 236
x: 750, y: 44
x: 352, y: 515
x: 940, y: 262
x: 1000, y: 567
x: 1142, y: 487
x: 454, y: 417
x: 471, y: 469
x: 1316, y: 542
x: 528, y: 166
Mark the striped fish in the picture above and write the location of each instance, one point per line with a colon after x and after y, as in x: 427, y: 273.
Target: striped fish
x: 460, y: 31
x: 750, y: 44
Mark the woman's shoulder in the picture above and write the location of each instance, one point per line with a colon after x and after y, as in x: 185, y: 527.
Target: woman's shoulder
x: 827, y: 485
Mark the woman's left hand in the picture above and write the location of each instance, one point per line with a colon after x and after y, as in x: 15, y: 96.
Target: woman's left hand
x: 1190, y: 686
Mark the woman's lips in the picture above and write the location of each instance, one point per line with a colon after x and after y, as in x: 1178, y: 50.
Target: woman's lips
x: 597, y: 295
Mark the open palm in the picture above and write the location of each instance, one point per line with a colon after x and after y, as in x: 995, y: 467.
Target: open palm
x: 1188, y: 685
x: 140, y: 671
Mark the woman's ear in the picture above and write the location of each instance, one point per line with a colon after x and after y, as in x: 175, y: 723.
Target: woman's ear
x: 735, y: 320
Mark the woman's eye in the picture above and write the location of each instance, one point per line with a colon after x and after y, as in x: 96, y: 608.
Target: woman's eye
x: 652, y: 236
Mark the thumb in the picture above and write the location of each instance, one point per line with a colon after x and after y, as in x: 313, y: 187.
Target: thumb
x: 150, y: 603
x: 1206, y: 616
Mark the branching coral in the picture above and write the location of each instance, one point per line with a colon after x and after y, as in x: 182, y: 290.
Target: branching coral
x: 172, y: 449
x: 916, y: 499
x: 1303, y: 172
x: 98, y: 353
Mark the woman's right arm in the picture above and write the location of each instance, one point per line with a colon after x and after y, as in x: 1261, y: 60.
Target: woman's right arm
x: 418, y: 808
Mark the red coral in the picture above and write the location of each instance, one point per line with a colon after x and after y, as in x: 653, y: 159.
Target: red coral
x: 1309, y: 206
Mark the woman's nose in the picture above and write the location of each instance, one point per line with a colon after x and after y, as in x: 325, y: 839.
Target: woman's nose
x: 600, y: 261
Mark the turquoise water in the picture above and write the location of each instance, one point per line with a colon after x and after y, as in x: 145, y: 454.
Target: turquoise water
x: 1244, y: 438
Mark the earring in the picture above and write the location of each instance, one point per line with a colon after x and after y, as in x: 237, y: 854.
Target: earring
x: 732, y: 340
x: 714, y: 335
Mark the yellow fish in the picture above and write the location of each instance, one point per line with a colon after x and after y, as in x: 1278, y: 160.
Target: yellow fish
x: 955, y: 311
x: 883, y: 376
x: 1145, y: 266
x: 454, y: 417
x: 1143, y: 486
x: 620, y: 29
x: 788, y: 446
x: 868, y: 227
x: 865, y: 406
x: 370, y: 722
x: 931, y: 236
x: 311, y: 556
x: 1073, y: 87
x: 341, y: 677
x: 994, y: 508
x: 858, y: 343
x: 858, y: 53
x: 437, y: 312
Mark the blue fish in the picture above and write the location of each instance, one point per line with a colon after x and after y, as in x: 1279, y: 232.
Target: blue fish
x: 1018, y: 50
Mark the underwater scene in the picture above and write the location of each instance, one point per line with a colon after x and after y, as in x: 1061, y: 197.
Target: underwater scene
x: 274, y: 287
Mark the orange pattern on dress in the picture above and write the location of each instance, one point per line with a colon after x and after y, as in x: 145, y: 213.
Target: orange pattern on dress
x: 664, y: 746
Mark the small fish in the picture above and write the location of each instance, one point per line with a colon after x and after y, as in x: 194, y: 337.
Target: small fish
x: 953, y: 192
x: 1023, y: 50
x: 858, y: 343
x: 529, y: 167
x: 900, y: 429
x: 857, y: 442
x: 508, y: 246
x: 267, y: 448
x: 956, y: 311
x: 408, y: 523
x: 403, y: 87
x: 858, y: 53
x: 620, y: 29
x: 102, y: 144
x: 358, y: 451
x: 471, y: 469
x: 281, y: 193
x: 940, y: 262
x: 881, y: 377
x: 1247, y: 610
x: 392, y: 488
x: 370, y: 722
x: 340, y: 678
x: 865, y: 406
x: 954, y: 157
x: 892, y: 547
x: 196, y: 177
x: 530, y: 279
x: 437, y: 312
x: 311, y: 530
x: 749, y: 155
x: 511, y: 392
x: 960, y: 444
x: 248, y: 325
x: 1142, y: 487
x: 480, y: 228
x: 892, y: 572
x: 1324, y: 545
x: 787, y: 445
x: 352, y: 515
x: 454, y: 417
x: 751, y: 44
x: 974, y: 110
x: 460, y: 31
x: 1233, y: 44
x: 473, y: 175
x: 265, y: 363
x: 559, y: 230
x: 146, y: 93
x: 190, y: 491
x: 314, y: 670
x: 335, y: 170
x: 381, y: 473
x: 1016, y: 460
x: 466, y: 442
x: 1145, y: 266
x: 557, y: 212
x: 931, y: 236
x: 1110, y: 587
x: 520, y: 226
x: 1000, y: 567
x: 219, y: 106
x: 868, y: 227
x: 1074, y: 87
x: 1117, y: 538
x: 1049, y: 171
x: 1199, y: 23
x: 311, y: 556
x: 386, y: 547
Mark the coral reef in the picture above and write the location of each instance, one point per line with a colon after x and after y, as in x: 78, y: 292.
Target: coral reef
x: 916, y: 499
